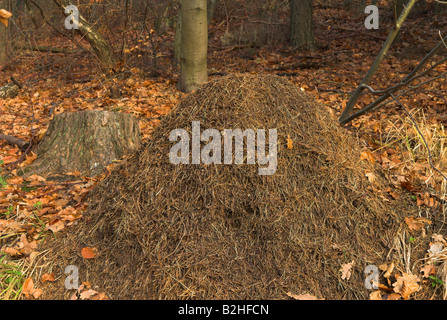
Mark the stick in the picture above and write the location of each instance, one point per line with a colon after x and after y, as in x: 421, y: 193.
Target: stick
x: 392, y: 35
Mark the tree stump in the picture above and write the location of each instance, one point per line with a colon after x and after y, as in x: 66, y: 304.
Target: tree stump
x: 86, y: 141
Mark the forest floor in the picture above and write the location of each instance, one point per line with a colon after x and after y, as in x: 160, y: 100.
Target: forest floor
x: 34, y: 209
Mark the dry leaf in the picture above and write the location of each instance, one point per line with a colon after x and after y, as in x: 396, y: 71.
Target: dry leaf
x: 375, y: 295
x: 406, y: 285
x: 428, y: 270
x: 55, y: 227
x: 100, y: 296
x: 393, y: 296
x: 435, y: 248
x: 87, y: 253
x: 368, y: 156
x: 416, y: 223
x: 302, y: 296
x: 289, y: 142
x: 48, y: 277
x: 87, y: 294
x: 346, y: 270
x: 438, y: 238
x: 371, y: 177
x: 389, y: 270
x: 29, y: 291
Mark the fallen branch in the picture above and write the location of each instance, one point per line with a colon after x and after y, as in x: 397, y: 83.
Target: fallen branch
x: 43, y: 48
x: 23, y: 145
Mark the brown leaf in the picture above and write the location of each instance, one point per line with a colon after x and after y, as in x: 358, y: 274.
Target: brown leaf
x: 346, y: 270
x: 57, y: 226
x: 375, y: 295
x: 302, y: 296
x: 28, y: 286
x: 389, y: 270
x: 11, y: 251
x: 289, y: 142
x: 406, y: 285
x: 368, y: 156
x: 428, y: 270
x: 416, y: 223
x: 87, y: 253
x: 393, y: 296
x: 100, y: 296
x: 48, y: 277
x: 87, y: 294
x: 29, y: 291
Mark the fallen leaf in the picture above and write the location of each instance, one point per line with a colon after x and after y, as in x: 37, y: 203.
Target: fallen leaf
x: 28, y: 289
x: 87, y: 294
x: 346, y: 270
x: 100, y: 296
x: 375, y: 295
x: 302, y: 296
x: 87, y: 253
x: 393, y: 296
x: 416, y: 223
x: 371, y: 177
x: 48, y: 277
x: 406, y: 285
x: 57, y: 226
x: 389, y: 270
x: 428, y: 270
x: 289, y: 142
x: 368, y: 156
x: 435, y: 248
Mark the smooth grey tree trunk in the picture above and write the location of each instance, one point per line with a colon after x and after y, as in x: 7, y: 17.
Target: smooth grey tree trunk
x: 194, y: 44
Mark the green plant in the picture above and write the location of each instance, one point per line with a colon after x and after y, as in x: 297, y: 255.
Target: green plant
x: 12, y: 277
x: 435, y: 281
x: 8, y: 211
x: 3, y: 183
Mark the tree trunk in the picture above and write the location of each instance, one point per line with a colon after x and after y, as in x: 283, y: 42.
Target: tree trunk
x: 302, y: 25
x: 3, y: 39
x: 85, y: 141
x: 398, y: 7
x: 194, y: 44
x: 211, y: 10
x: 3, y: 45
x: 99, y: 45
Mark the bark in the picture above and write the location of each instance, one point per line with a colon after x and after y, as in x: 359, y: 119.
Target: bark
x: 3, y: 45
x: 3, y: 39
x: 99, y: 45
x: 194, y: 44
x: 398, y: 7
x: 302, y: 25
x: 86, y: 141
x: 211, y: 10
